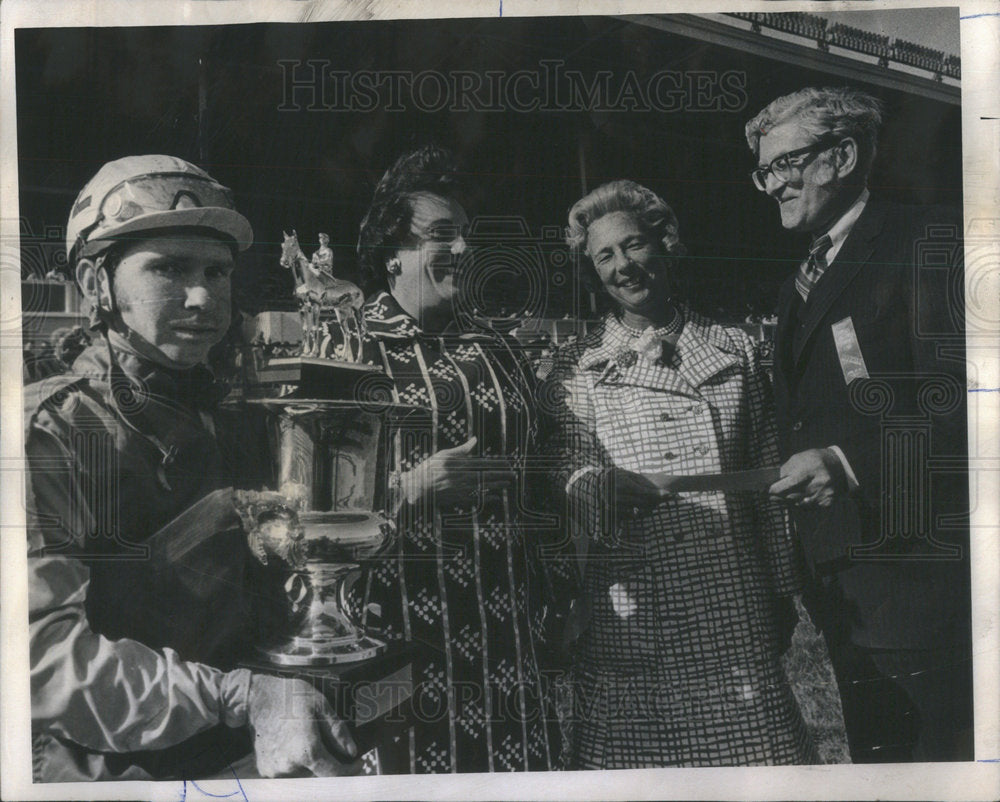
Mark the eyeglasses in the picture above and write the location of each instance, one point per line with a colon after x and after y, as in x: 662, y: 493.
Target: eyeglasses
x: 789, y: 165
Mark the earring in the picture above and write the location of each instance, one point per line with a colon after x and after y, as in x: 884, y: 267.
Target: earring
x: 394, y: 267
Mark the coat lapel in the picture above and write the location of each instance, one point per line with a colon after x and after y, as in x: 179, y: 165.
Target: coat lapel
x: 788, y: 300
x: 702, y: 352
x: 853, y: 256
x: 657, y: 377
x: 601, y: 345
x: 608, y: 356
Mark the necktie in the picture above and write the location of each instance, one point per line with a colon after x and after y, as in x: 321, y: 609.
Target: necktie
x: 811, y: 270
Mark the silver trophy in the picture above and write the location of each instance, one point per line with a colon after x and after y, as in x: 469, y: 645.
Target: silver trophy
x: 328, y: 415
x: 330, y: 418
x: 319, y: 528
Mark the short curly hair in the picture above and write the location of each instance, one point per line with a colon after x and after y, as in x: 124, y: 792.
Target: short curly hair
x: 649, y: 209
x: 841, y: 111
x: 386, y: 225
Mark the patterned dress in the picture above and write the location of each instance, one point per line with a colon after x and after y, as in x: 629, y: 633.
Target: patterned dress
x: 465, y: 583
x: 679, y: 663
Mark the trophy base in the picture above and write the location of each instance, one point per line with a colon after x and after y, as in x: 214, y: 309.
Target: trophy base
x: 321, y: 652
x: 314, y: 377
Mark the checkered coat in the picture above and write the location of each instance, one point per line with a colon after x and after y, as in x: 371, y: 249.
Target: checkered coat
x: 466, y: 584
x: 679, y: 663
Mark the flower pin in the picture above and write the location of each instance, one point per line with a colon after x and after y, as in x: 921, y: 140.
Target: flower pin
x: 649, y: 345
x: 626, y: 358
x: 623, y: 358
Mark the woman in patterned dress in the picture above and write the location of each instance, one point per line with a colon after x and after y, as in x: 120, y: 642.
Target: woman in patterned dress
x: 679, y: 663
x: 465, y: 582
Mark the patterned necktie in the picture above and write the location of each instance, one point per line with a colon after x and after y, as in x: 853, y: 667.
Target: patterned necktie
x: 813, y: 267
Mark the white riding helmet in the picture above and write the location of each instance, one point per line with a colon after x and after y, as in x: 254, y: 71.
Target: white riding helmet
x: 145, y: 193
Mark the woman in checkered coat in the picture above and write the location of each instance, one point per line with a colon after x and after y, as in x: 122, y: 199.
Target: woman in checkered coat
x: 465, y: 583
x: 685, y: 595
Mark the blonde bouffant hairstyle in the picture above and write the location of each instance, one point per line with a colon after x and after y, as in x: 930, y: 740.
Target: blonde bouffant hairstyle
x: 652, y: 213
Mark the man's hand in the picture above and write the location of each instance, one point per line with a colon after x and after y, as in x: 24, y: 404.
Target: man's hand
x: 813, y: 478
x: 453, y: 476
x: 296, y: 733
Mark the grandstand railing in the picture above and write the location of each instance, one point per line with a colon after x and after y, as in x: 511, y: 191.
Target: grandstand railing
x: 810, y: 26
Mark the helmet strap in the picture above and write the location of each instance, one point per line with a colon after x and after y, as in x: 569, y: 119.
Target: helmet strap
x: 105, y: 295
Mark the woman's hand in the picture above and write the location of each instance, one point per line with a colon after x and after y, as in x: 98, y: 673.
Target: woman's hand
x: 453, y: 476
x: 633, y: 493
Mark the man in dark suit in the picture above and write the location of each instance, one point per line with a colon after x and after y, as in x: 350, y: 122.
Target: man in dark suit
x: 869, y: 374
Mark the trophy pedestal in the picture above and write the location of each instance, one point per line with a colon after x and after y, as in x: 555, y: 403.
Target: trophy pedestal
x: 312, y: 652
x: 373, y: 696
x: 321, y: 378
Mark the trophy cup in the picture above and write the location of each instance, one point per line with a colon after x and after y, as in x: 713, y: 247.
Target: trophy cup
x: 328, y: 459
x: 329, y: 420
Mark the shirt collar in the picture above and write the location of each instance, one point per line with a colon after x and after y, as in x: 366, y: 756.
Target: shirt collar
x: 614, y: 338
x: 386, y: 319
x: 838, y: 233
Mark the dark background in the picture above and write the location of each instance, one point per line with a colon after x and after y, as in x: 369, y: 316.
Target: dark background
x: 211, y: 94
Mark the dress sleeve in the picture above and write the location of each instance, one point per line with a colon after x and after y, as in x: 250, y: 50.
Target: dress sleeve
x: 771, y: 518
x: 111, y: 696
x: 554, y: 539
x: 578, y: 466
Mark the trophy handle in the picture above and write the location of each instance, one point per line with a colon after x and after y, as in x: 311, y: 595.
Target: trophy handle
x: 271, y: 524
x: 296, y: 591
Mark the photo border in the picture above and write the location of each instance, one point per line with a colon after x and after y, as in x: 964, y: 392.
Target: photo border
x: 980, y: 53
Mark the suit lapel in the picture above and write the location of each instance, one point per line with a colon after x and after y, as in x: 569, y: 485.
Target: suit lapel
x: 787, y: 320
x: 853, y: 256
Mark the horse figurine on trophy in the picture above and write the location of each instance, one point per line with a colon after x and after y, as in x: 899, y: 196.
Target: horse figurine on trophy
x: 320, y: 293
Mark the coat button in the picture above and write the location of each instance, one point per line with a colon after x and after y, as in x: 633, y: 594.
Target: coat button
x: 796, y: 426
x: 669, y: 455
x: 666, y: 417
x: 701, y: 449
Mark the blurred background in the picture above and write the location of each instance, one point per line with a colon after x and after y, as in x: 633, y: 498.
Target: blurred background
x: 266, y: 109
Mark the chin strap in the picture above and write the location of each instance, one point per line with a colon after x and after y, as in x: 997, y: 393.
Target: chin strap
x: 141, y: 347
x: 102, y: 303
x: 123, y: 392
x: 105, y: 296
